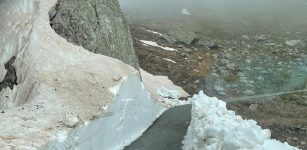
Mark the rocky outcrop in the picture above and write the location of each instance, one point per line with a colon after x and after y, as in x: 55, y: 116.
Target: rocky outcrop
x: 97, y: 25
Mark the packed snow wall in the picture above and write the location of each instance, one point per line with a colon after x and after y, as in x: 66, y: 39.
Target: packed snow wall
x: 64, y: 89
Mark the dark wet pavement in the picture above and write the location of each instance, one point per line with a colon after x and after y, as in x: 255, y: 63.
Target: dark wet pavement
x: 167, y: 132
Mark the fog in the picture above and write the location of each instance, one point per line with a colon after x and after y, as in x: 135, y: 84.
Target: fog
x: 244, y: 15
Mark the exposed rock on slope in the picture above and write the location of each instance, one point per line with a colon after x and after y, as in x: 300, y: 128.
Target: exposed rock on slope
x: 97, y: 25
x: 10, y: 78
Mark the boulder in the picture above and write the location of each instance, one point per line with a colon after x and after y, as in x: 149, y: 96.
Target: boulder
x: 184, y: 36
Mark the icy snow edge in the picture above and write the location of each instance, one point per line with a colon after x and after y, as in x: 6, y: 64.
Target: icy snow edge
x: 213, y: 127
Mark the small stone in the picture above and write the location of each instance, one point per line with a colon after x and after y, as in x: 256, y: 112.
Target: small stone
x: 231, y: 66
x: 218, y: 88
x: 187, y: 49
x: 261, y: 38
x: 117, y: 78
x: 260, y: 78
x: 249, y: 92
x: 197, y: 81
x: 168, y: 38
x: 200, y: 58
x: 212, y: 45
x: 270, y: 44
x: 245, y: 38
x: 253, y: 107
x: 71, y: 120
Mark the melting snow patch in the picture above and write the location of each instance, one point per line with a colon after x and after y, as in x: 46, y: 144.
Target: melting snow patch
x: 213, y: 127
x: 293, y: 42
x: 169, y: 60
x: 184, y: 11
x: 154, y: 44
x: 154, y: 32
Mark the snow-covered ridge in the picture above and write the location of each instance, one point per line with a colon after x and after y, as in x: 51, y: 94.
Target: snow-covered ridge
x: 213, y: 127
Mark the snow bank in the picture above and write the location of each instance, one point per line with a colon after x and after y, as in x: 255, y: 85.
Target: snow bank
x: 213, y: 127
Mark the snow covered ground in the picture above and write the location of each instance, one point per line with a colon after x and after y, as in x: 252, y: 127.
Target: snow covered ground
x: 213, y: 127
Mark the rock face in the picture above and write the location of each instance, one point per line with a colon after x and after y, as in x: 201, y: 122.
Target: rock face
x: 97, y: 25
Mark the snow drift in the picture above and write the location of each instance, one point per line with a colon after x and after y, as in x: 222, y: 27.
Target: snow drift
x: 213, y: 127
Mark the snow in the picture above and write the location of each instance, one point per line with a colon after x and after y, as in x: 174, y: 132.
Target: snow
x: 155, y: 44
x: 172, y: 61
x: 154, y: 32
x: 213, y: 127
x: 164, y: 92
x: 132, y: 112
x: 293, y: 42
x: 169, y: 98
x: 185, y: 11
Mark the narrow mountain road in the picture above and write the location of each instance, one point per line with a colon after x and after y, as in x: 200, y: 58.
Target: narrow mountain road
x: 167, y: 132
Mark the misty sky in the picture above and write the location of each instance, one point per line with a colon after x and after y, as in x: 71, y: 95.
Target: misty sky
x: 246, y: 12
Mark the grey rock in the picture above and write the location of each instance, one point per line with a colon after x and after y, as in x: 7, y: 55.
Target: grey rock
x: 231, y: 66
x: 168, y: 38
x: 188, y: 50
x: 249, y: 92
x: 270, y: 44
x: 10, y: 78
x: 183, y: 36
x: 97, y: 25
x: 212, y: 45
x: 225, y: 61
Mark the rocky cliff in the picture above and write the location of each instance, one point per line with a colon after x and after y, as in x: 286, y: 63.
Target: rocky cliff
x: 97, y: 25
